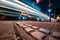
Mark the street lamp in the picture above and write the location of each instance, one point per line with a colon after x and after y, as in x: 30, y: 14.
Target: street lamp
x: 49, y: 11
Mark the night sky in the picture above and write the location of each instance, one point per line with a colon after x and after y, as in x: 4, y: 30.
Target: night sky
x: 44, y: 4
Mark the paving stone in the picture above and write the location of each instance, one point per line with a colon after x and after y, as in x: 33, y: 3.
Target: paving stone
x: 7, y: 30
x: 35, y: 27
x: 44, y: 30
x: 28, y: 29
x: 38, y: 35
x: 18, y: 37
x: 19, y: 24
x: 56, y: 34
x: 29, y: 25
x: 24, y: 26
x: 51, y: 38
x: 5, y: 35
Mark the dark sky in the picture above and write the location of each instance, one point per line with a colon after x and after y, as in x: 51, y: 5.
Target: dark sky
x: 44, y: 4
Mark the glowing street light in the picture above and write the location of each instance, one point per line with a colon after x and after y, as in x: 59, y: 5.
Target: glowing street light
x: 49, y: 10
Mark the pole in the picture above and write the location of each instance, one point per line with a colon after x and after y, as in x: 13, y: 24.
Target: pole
x: 54, y: 14
x: 49, y: 7
x: 49, y: 17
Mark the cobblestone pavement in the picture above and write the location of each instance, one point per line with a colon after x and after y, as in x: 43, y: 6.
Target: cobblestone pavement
x: 7, y: 31
x: 48, y: 31
x: 29, y: 30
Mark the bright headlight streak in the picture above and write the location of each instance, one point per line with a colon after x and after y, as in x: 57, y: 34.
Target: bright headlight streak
x: 15, y: 7
x: 22, y: 4
x: 43, y: 15
x: 6, y: 6
x: 10, y: 8
x: 26, y: 5
x: 39, y: 14
x: 19, y: 6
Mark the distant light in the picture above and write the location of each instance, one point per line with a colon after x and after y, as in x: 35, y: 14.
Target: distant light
x: 49, y: 10
x: 23, y: 18
x: 57, y: 18
x: 37, y: 19
x: 38, y: 1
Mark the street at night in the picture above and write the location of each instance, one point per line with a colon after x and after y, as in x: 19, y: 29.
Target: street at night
x: 29, y: 20
x: 29, y: 30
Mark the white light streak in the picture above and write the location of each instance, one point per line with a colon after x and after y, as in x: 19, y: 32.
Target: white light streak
x: 15, y: 6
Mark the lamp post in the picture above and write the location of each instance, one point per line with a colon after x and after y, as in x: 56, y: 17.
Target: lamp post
x: 55, y: 14
x: 49, y: 10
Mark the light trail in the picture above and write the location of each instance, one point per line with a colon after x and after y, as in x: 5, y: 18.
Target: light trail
x: 14, y: 5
